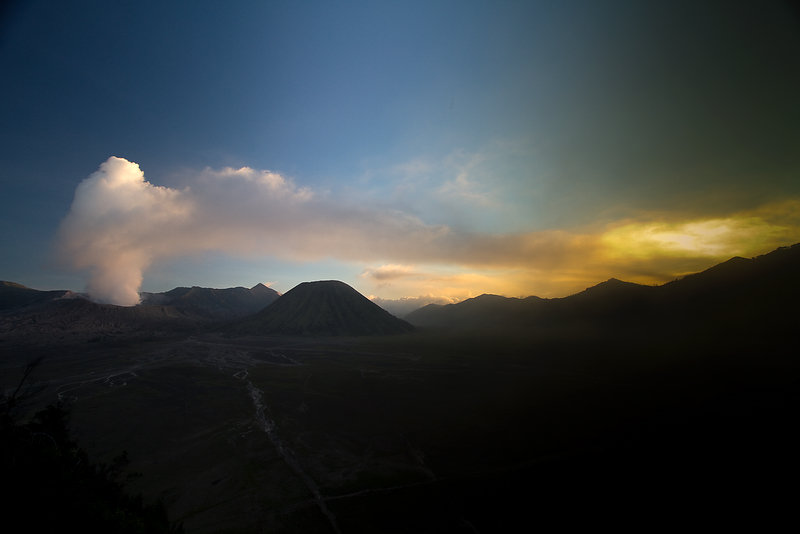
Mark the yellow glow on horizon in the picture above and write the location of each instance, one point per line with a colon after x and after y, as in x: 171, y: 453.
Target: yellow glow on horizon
x: 653, y: 249
x: 712, y: 238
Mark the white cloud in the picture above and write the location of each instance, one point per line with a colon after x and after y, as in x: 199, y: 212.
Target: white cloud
x: 469, y: 183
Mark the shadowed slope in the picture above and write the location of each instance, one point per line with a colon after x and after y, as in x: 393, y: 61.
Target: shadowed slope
x: 55, y: 316
x: 209, y: 303
x: 324, y: 308
x: 478, y: 312
x: 13, y: 295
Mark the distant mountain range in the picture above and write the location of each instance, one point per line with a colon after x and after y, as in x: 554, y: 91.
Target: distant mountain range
x: 325, y: 308
x: 217, y: 304
x: 192, y: 302
x: 64, y: 315
x: 757, y: 295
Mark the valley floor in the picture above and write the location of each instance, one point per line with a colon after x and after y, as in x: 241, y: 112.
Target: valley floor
x: 433, y: 432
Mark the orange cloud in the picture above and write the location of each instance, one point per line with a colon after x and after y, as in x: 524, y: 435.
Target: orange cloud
x: 558, y: 262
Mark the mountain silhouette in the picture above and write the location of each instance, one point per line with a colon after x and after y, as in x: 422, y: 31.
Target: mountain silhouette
x: 221, y: 304
x: 757, y: 294
x: 13, y: 295
x: 59, y: 315
x: 323, y: 308
x: 191, y: 302
x: 478, y: 312
x: 741, y: 296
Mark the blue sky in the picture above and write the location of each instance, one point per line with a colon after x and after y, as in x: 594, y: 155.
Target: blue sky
x: 563, y: 142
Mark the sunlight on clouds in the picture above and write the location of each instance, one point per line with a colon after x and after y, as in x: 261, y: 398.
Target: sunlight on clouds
x: 389, y: 272
x: 656, y: 251
x: 441, y: 282
x: 556, y: 263
x: 711, y: 238
x: 271, y: 181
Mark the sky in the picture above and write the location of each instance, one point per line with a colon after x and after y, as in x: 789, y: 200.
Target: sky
x: 418, y: 151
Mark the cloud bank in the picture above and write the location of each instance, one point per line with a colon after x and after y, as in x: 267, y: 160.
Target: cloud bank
x: 120, y: 224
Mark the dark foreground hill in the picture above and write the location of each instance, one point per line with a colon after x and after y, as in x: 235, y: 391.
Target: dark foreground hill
x: 323, y: 308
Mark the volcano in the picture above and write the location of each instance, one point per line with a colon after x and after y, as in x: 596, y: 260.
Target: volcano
x: 323, y: 308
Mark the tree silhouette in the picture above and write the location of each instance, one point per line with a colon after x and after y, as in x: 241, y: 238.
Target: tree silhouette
x: 50, y: 485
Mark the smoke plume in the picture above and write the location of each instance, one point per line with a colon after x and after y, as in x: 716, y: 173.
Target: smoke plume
x: 113, y: 228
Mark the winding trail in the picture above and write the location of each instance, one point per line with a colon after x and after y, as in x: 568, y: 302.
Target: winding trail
x: 268, y: 426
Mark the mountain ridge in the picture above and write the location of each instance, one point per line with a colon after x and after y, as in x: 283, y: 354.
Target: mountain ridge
x: 51, y: 316
x: 738, y: 290
x: 215, y: 304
